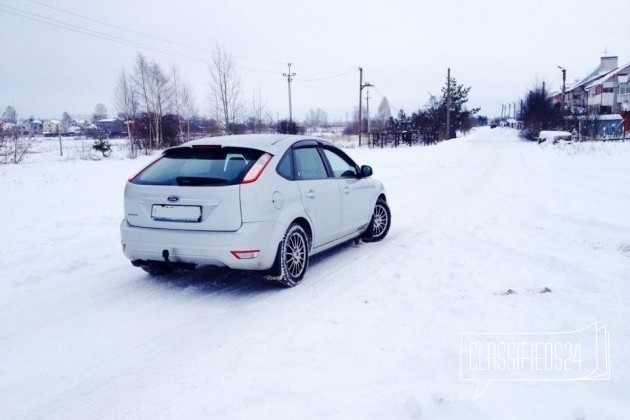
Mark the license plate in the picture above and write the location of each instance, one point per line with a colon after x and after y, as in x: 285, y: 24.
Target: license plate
x: 166, y: 213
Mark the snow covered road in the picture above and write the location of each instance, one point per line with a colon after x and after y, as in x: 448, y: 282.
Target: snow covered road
x: 372, y: 332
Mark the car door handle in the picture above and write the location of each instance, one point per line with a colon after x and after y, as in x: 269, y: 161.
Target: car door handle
x: 346, y: 190
x: 310, y: 194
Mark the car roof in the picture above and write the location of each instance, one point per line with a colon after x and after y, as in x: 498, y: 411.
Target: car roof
x: 272, y: 143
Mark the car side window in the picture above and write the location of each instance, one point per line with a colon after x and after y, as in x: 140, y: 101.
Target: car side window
x: 285, y: 166
x: 341, y: 166
x: 309, y: 164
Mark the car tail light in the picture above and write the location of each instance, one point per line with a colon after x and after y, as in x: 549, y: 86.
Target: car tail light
x: 254, y: 173
x: 246, y: 255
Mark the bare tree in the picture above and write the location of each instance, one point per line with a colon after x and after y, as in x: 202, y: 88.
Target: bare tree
x: 257, y: 112
x: 225, y: 88
x: 161, y: 95
x: 141, y: 84
x: 177, y: 86
x: 154, y: 95
x: 4, y: 144
x: 317, y: 118
x: 383, y: 114
x: 183, y: 103
x: 188, y: 107
x: 127, y: 104
x: 13, y: 146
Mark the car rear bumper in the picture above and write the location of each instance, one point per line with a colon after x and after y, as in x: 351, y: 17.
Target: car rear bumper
x: 203, y: 247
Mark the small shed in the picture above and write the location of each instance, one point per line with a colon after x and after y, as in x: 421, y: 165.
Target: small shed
x: 610, y: 125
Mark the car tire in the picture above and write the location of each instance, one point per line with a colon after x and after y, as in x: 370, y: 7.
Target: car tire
x: 292, y: 257
x: 380, y: 222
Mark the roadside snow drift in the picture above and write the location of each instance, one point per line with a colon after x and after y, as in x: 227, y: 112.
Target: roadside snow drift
x: 490, y: 234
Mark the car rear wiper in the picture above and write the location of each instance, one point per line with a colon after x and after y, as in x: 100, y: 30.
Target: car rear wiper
x: 199, y: 180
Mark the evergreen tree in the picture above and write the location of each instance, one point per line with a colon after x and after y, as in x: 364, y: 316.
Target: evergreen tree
x: 100, y: 112
x: 383, y: 115
x: 66, y: 118
x: 539, y: 113
x: 459, y: 115
x: 10, y: 115
x: 431, y: 121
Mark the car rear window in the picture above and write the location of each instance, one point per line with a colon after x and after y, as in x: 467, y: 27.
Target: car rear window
x: 198, y: 166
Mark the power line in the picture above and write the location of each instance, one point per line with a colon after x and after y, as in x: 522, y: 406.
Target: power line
x: 111, y: 25
x: 96, y: 34
x: 326, y: 78
x: 133, y: 31
x: 137, y: 44
x: 330, y: 89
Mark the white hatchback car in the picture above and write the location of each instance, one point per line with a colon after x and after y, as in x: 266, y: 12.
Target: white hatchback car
x: 252, y: 202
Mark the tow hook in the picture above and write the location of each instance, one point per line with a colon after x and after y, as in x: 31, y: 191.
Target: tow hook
x: 165, y: 263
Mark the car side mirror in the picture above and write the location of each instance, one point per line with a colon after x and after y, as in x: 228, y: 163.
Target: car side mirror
x: 366, y: 171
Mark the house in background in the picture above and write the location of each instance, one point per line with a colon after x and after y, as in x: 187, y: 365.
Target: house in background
x: 112, y: 127
x: 578, y: 95
x: 54, y: 128
x: 607, y: 93
x: 32, y: 127
x: 604, y: 94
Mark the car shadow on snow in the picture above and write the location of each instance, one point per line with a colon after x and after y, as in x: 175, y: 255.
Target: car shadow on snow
x: 209, y: 280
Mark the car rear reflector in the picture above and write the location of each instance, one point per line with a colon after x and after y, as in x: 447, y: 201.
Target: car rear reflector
x: 246, y: 255
x: 254, y: 173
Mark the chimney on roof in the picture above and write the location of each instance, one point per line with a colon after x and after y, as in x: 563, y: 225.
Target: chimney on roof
x: 609, y: 63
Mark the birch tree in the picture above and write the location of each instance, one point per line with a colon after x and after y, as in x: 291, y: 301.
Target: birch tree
x: 141, y: 84
x: 257, y: 112
x: 225, y: 88
x: 126, y: 102
x: 183, y: 103
x: 162, y: 97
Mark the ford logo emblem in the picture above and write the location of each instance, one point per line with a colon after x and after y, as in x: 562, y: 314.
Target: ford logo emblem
x: 173, y: 199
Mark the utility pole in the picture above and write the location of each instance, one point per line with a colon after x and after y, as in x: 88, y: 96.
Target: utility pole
x: 59, y: 135
x: 367, y: 106
x: 361, y: 86
x: 564, y: 87
x: 448, y: 104
x: 289, y: 77
x: 360, y: 100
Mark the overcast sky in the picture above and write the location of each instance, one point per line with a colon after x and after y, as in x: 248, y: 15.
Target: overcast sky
x: 499, y: 48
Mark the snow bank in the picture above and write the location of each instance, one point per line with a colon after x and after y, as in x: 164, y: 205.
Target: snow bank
x: 554, y: 136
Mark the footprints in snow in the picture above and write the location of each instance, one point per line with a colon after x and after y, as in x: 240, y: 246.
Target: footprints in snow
x: 530, y: 291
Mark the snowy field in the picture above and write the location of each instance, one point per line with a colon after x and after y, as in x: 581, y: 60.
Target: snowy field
x: 372, y: 332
